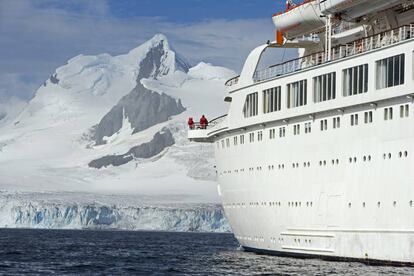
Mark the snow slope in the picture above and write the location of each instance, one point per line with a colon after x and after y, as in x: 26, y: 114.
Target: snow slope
x: 49, y: 145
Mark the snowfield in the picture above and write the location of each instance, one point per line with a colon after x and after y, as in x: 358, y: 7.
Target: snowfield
x: 48, y: 146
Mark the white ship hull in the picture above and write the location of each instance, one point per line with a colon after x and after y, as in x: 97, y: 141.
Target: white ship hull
x: 343, y: 193
x: 322, y: 175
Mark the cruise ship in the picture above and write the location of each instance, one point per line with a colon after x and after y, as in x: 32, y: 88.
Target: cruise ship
x: 315, y: 157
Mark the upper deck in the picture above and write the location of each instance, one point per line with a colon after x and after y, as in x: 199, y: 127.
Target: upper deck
x: 339, y: 52
x: 360, y: 75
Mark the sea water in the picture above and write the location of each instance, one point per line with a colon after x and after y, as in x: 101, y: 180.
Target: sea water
x: 77, y: 252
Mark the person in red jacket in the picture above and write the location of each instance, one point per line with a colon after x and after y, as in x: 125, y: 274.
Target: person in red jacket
x: 203, y: 122
x: 191, y: 123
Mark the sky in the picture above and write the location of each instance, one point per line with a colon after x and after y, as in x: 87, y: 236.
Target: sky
x: 37, y: 36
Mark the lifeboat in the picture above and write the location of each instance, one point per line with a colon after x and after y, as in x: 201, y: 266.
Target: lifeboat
x: 299, y: 20
x: 353, y: 9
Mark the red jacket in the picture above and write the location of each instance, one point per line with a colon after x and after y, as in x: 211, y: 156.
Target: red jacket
x: 203, y: 121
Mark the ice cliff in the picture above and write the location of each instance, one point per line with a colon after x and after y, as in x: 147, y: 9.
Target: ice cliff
x: 42, y: 211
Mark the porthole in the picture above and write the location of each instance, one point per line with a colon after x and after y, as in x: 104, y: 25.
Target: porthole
x: 405, y: 153
x: 384, y: 156
x: 308, y: 164
x: 337, y: 161
x: 363, y: 204
x: 369, y: 157
x: 349, y: 205
x: 389, y: 155
x: 400, y: 154
x: 350, y: 159
x: 311, y: 203
x: 411, y: 203
x: 320, y: 163
x: 378, y: 204
x: 394, y: 203
x: 324, y: 162
x: 365, y: 158
x: 355, y: 159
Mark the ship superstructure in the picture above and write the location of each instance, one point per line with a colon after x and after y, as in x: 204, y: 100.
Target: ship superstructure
x: 316, y: 154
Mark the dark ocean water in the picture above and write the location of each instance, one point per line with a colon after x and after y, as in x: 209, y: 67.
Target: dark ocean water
x: 154, y: 253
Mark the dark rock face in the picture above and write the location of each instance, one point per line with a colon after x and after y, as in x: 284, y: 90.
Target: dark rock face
x: 54, y: 79
x: 159, y: 142
x: 142, y: 107
x: 2, y: 115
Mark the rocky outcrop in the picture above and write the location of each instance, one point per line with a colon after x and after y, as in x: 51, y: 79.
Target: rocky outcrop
x: 159, y: 142
x: 2, y: 115
x: 142, y: 107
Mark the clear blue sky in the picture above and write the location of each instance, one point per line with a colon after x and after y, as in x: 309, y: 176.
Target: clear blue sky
x: 195, y: 10
x: 37, y: 36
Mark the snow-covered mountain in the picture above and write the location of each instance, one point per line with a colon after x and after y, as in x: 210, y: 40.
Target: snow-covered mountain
x: 116, y: 124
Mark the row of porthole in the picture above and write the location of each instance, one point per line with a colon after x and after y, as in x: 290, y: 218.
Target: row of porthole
x: 400, y: 155
x: 271, y: 204
x: 394, y: 203
x: 366, y: 158
x: 307, y: 241
x: 299, y: 204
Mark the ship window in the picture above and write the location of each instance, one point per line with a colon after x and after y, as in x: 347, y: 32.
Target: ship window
x: 282, y: 132
x: 222, y: 144
x: 272, y: 133
x: 324, y: 87
x: 308, y: 127
x: 297, y: 94
x: 241, y: 139
x: 227, y: 142
x: 235, y: 140
x: 218, y: 145
x: 336, y: 122
x: 390, y: 71
x: 355, y: 80
x: 354, y: 119
x: 388, y: 113
x: 404, y: 111
x: 324, y: 125
x: 251, y: 137
x: 272, y: 99
x: 296, y: 129
x: 259, y: 135
x: 251, y: 105
x: 368, y: 117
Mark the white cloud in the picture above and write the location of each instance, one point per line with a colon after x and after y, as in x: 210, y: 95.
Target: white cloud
x: 39, y: 36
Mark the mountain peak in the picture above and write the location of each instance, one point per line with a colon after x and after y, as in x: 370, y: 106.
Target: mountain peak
x: 159, y: 48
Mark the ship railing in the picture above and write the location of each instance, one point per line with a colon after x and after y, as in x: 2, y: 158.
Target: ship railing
x: 232, y: 81
x: 338, y: 52
x: 215, y: 123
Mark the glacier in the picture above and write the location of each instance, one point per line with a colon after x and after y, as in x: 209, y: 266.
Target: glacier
x: 126, y: 115
x: 43, y: 211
